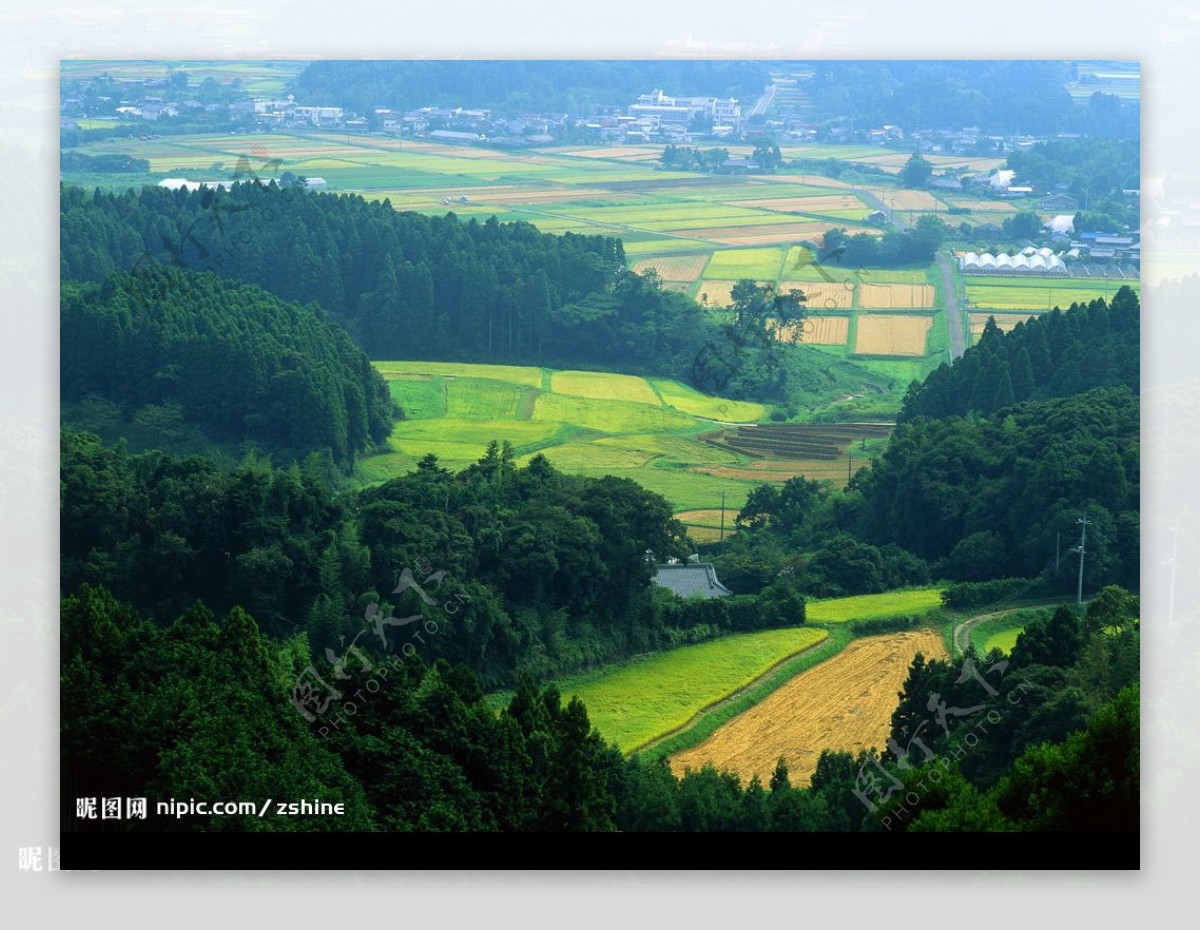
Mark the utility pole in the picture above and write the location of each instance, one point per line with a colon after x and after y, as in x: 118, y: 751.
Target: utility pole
x: 850, y: 467
x: 722, y: 541
x: 1083, y: 524
x: 1173, y: 562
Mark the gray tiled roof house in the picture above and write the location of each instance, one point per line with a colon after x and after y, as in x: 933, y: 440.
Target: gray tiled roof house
x: 690, y: 579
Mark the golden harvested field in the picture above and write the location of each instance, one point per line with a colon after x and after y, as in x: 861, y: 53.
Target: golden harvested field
x: 1006, y: 323
x: 901, y: 199
x: 892, y: 334
x: 809, y: 204
x: 674, y: 268
x: 823, y: 296
x: 895, y: 296
x: 822, y: 331
x: 844, y: 704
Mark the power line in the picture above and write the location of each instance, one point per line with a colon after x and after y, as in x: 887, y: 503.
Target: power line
x: 1083, y: 524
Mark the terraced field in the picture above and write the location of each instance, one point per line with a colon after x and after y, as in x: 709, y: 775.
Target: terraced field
x: 590, y: 423
x: 844, y: 704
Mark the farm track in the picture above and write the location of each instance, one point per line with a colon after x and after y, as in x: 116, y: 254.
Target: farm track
x: 954, y: 320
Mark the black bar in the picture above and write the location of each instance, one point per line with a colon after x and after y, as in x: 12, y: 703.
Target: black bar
x: 848, y: 851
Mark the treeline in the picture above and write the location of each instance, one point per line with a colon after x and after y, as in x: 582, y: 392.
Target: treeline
x: 230, y: 357
x: 208, y: 708
x: 1095, y: 172
x: 915, y: 246
x: 575, y: 87
x: 545, y: 572
x: 1055, y: 730
x: 1000, y: 97
x: 102, y: 164
x: 416, y: 287
x: 1053, y: 355
x: 998, y: 496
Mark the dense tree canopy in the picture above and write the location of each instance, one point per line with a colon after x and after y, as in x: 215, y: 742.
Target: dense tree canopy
x: 231, y: 357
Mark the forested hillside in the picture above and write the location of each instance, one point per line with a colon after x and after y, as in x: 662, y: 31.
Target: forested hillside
x: 1054, y: 355
x: 975, y: 485
x: 552, y: 568
x: 239, y: 362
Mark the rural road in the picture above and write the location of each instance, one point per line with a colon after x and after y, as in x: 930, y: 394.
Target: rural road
x: 962, y: 632
x: 954, y: 316
x: 764, y: 101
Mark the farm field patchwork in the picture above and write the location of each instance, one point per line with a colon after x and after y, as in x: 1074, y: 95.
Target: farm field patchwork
x: 843, y: 704
x: 589, y: 423
x: 648, y: 697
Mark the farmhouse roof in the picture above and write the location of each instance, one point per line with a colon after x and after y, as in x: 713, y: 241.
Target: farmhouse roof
x: 691, y: 579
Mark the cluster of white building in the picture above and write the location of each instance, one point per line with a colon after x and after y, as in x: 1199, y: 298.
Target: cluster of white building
x: 1028, y: 261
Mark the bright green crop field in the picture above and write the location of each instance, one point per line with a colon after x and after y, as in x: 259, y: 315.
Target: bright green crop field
x: 637, y: 701
x: 870, y: 606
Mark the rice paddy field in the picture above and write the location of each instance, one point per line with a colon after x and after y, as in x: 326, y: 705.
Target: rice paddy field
x: 637, y: 701
x: 988, y: 292
x: 844, y: 704
x: 892, y: 334
x: 901, y: 603
x: 590, y: 423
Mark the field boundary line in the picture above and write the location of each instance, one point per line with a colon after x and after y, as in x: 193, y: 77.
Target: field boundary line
x: 730, y: 697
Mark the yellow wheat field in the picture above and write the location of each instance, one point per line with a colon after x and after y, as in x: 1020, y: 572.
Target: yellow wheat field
x: 887, y: 334
x: 822, y: 296
x: 843, y: 704
x: 895, y: 296
x: 825, y: 331
x: 674, y: 268
x: 901, y: 199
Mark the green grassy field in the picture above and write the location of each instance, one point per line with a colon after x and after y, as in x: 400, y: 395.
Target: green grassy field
x: 1004, y: 641
x: 635, y: 702
x: 1016, y: 294
x: 1001, y: 632
x: 908, y: 602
